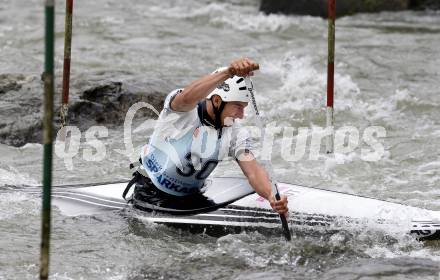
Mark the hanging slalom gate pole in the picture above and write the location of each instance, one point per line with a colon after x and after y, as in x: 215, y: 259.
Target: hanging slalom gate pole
x: 66, y: 66
x: 330, y: 74
x: 48, y: 78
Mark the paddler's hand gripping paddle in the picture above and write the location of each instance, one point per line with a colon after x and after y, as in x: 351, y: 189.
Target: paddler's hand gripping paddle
x: 284, y: 223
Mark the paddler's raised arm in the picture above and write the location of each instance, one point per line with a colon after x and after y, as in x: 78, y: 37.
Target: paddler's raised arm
x: 199, y: 89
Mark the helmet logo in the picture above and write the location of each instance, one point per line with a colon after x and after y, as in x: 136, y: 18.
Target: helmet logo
x: 224, y: 86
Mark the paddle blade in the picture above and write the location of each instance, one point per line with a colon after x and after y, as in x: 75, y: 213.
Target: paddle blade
x: 286, y: 230
x: 284, y: 223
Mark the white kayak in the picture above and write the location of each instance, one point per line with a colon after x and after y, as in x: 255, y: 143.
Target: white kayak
x: 239, y: 208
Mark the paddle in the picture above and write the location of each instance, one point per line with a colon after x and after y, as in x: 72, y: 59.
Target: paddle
x: 259, y: 122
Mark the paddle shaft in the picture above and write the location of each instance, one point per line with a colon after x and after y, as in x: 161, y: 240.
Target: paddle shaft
x: 269, y: 167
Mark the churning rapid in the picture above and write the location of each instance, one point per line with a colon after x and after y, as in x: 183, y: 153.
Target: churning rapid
x: 387, y: 68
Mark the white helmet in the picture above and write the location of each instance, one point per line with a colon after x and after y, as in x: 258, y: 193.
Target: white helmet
x: 233, y: 89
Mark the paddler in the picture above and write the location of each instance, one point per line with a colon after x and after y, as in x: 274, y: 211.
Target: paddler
x: 195, y: 130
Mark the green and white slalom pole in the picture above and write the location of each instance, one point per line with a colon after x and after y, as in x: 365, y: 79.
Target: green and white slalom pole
x: 285, y: 225
x: 48, y: 78
x: 330, y: 74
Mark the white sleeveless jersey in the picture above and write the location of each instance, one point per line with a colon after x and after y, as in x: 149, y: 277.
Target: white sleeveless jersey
x: 184, y: 149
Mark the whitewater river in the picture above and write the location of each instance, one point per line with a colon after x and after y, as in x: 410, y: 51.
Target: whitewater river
x: 387, y: 75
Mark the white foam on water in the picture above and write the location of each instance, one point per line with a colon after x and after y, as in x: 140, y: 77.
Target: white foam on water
x: 304, y: 86
x: 399, y: 251
x: 248, y: 248
x: 261, y: 23
x: 15, y: 156
x: 242, y: 17
x: 5, y: 29
x: 339, y: 158
x: 392, y: 108
x: 12, y: 176
x: 396, y: 180
x: 112, y: 20
x: 435, y: 133
x: 18, y: 204
x: 429, y: 167
x: 35, y: 146
x: 185, y: 11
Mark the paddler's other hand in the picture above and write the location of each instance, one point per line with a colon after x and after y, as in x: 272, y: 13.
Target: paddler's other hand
x: 243, y: 67
x: 279, y: 206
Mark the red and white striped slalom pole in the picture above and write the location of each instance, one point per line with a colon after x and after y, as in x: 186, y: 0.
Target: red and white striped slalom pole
x: 66, y: 66
x: 330, y: 74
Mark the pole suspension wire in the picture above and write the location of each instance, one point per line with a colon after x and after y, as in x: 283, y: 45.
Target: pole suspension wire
x: 48, y: 78
x: 330, y: 75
